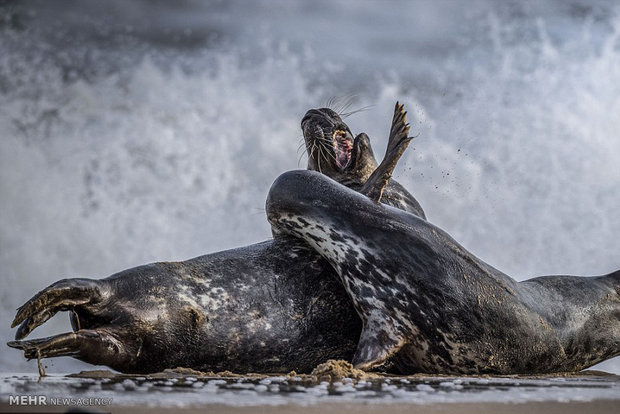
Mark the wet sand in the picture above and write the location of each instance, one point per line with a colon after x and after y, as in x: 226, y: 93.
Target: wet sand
x: 335, y: 387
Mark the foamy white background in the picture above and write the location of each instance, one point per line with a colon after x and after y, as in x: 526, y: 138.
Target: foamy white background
x: 133, y: 132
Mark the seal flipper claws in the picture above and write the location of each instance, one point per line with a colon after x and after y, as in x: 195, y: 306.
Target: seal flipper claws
x: 399, y: 129
x: 59, y: 296
x: 93, y: 346
x: 32, y: 322
x: 397, y: 143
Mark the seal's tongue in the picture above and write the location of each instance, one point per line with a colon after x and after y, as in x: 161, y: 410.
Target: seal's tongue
x: 342, y: 149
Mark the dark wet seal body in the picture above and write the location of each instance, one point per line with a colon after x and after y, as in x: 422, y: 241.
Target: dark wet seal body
x: 333, y: 151
x: 270, y: 307
x: 429, y: 305
x: 275, y: 306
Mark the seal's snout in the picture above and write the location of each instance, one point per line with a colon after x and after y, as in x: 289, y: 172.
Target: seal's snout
x: 328, y: 140
x: 312, y: 114
x: 282, y: 194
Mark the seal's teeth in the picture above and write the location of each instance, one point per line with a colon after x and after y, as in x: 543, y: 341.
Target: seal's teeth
x: 339, y: 134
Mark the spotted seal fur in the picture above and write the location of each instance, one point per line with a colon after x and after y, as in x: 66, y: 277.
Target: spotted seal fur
x: 427, y: 304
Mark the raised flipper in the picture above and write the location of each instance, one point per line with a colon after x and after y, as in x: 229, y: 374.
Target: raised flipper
x: 397, y: 143
x: 60, y: 296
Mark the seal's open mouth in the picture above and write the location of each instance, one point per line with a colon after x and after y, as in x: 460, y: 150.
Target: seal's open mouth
x: 343, y: 145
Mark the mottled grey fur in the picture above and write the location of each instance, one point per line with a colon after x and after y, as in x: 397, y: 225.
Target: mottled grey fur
x: 429, y: 305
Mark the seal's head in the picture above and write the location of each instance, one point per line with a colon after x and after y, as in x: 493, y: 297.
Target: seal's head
x: 332, y: 149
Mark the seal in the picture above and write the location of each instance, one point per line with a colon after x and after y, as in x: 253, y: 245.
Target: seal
x: 332, y: 150
x: 426, y: 303
x: 275, y: 306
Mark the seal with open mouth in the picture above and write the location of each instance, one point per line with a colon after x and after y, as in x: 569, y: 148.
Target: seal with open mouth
x: 275, y: 306
x: 427, y: 304
x: 333, y: 151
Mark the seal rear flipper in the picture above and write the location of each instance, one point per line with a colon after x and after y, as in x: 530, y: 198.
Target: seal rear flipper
x: 397, y: 144
x: 375, y: 347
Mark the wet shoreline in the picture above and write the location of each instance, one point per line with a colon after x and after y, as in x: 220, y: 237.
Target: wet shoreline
x: 192, y: 391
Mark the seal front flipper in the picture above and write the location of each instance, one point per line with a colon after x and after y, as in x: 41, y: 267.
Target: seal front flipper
x: 377, y: 343
x: 364, y: 162
x: 397, y: 144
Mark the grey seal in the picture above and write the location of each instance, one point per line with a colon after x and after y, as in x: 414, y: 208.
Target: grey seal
x: 426, y: 303
x: 274, y: 306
